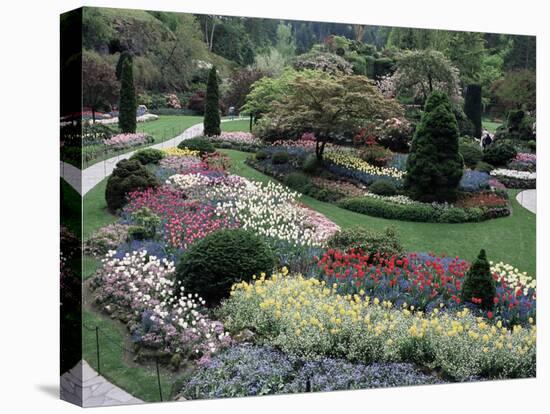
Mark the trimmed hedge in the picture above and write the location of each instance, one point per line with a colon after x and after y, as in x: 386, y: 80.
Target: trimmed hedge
x: 419, y: 212
x: 385, y: 243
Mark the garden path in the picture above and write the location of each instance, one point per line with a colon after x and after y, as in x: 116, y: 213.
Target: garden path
x: 83, y: 181
x: 528, y: 199
x: 84, y: 386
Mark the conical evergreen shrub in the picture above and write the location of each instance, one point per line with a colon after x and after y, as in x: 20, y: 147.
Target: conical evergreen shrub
x: 434, y: 165
x: 127, y: 105
x: 479, y: 285
x: 212, y: 105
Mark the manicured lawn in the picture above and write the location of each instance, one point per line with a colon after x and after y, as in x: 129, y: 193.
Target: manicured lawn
x: 95, y: 213
x: 116, y: 363
x: 490, y: 125
x: 162, y: 129
x: 238, y: 125
x: 509, y: 239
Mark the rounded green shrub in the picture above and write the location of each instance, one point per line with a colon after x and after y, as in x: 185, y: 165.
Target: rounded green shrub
x: 212, y: 265
x: 280, y: 157
x: 128, y: 176
x: 197, y: 144
x: 385, y: 243
x: 383, y: 188
x: 479, y: 285
x: 470, y: 154
x: 499, y: 154
x: 148, y: 156
x: 261, y: 155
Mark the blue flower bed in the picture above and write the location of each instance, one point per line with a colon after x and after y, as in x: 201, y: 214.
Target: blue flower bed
x: 247, y: 370
x: 360, y: 176
x: 473, y: 181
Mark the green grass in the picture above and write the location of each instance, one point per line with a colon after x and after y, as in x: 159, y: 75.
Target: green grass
x: 116, y: 364
x: 95, y: 213
x: 510, y: 239
x: 162, y: 129
x: 238, y: 125
x: 490, y: 125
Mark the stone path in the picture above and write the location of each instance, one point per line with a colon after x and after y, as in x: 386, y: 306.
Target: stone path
x: 85, y: 387
x: 528, y: 199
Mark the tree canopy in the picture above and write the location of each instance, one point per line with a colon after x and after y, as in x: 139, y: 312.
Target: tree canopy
x: 332, y: 108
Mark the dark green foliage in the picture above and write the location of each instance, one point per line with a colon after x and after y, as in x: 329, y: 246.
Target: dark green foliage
x: 382, y: 67
x: 121, y: 59
x: 212, y: 265
x: 127, y: 104
x: 383, y: 188
x: 479, y: 283
x: 471, y: 154
x: 434, y: 166
x: 148, y: 156
x: 473, y: 107
x: 198, y: 144
x: 485, y: 167
x: 385, y: 243
x: 280, y: 157
x: 499, y: 154
x: 298, y: 181
x: 419, y: 212
x: 261, y: 155
x: 518, y: 126
x: 311, y: 164
x: 212, y: 105
x: 128, y: 176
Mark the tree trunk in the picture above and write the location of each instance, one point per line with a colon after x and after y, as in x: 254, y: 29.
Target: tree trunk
x: 93, y: 115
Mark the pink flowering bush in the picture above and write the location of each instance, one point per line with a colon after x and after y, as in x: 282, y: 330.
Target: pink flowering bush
x: 123, y: 141
x: 172, y: 101
x: 236, y: 137
x: 183, y: 165
x: 141, y: 291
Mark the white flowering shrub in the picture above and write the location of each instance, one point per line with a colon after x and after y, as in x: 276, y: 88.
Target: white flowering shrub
x: 141, y: 290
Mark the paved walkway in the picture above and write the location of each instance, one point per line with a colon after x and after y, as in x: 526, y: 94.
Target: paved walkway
x: 528, y: 199
x: 84, y: 181
x: 85, y: 387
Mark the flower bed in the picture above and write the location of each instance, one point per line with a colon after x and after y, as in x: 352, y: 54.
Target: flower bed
x: 181, y: 152
x: 123, y: 141
x: 424, y: 282
x: 242, y: 141
x: 247, y: 370
x: 351, y: 166
x: 307, y: 318
x: 140, y: 291
x: 515, y: 178
x: 524, y: 161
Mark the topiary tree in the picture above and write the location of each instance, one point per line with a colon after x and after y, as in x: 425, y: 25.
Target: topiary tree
x: 124, y: 55
x: 128, y: 176
x: 479, y: 285
x: 212, y: 105
x: 212, y: 265
x: 472, y: 107
x: 434, y: 165
x: 127, y: 106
